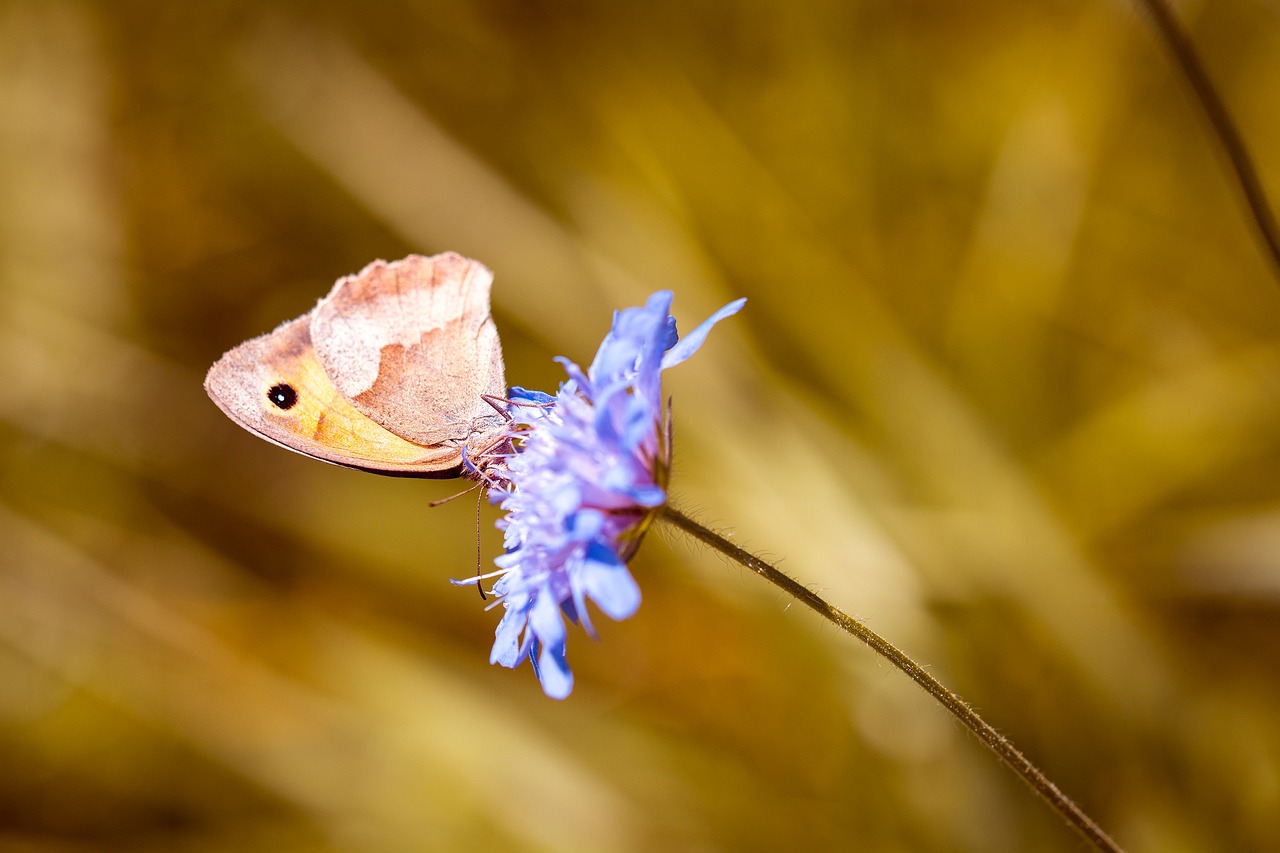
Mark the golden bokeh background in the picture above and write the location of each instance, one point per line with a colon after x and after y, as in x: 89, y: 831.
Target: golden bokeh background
x: 1007, y: 387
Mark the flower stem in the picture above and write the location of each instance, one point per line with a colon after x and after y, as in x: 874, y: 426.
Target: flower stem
x: 993, y: 740
x: 1179, y: 43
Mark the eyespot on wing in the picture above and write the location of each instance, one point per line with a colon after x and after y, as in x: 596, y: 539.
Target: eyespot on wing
x: 249, y: 384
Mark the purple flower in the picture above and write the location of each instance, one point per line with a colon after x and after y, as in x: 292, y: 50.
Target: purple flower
x: 589, y: 476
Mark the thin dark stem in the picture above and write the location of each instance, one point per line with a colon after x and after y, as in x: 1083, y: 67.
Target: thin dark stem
x: 994, y: 741
x: 1246, y: 174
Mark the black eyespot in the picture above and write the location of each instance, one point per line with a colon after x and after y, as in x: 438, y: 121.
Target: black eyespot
x: 282, y: 396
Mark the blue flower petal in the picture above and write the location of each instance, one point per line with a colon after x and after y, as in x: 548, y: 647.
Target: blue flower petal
x: 669, y: 334
x: 506, y: 644
x: 607, y: 582
x: 545, y: 621
x: 689, y: 344
x: 585, y: 525
x: 516, y: 394
x: 553, y: 671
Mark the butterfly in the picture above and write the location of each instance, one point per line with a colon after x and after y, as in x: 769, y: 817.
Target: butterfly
x: 390, y: 373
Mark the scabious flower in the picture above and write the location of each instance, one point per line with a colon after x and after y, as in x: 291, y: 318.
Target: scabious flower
x: 588, y: 477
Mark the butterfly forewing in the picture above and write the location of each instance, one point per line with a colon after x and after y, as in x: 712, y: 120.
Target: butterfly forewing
x: 386, y: 374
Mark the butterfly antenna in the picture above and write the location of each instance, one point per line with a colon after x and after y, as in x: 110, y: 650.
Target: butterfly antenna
x: 443, y: 501
x: 499, y: 404
x: 479, y: 586
x: 502, y: 404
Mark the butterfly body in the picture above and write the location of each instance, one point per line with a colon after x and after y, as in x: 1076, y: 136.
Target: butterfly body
x: 388, y: 373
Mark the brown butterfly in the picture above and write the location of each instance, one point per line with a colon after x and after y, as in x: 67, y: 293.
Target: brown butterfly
x: 389, y: 373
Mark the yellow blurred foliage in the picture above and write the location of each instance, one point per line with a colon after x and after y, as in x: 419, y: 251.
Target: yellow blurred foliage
x: 1005, y: 388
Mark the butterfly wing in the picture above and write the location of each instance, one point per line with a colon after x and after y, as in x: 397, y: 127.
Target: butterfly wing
x: 276, y: 387
x: 412, y: 345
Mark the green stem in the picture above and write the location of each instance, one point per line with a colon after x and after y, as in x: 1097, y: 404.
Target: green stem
x: 994, y: 741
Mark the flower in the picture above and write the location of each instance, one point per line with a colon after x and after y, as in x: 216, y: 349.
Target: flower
x: 588, y: 476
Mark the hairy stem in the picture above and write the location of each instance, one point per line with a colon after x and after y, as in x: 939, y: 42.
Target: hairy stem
x: 993, y: 740
x: 1188, y: 61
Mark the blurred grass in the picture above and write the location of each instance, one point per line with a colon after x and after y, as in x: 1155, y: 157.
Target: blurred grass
x: 1005, y: 388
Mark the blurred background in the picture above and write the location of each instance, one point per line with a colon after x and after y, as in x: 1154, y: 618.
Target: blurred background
x: 1006, y: 387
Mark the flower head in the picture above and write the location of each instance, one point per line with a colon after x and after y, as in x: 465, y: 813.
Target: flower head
x: 589, y: 476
